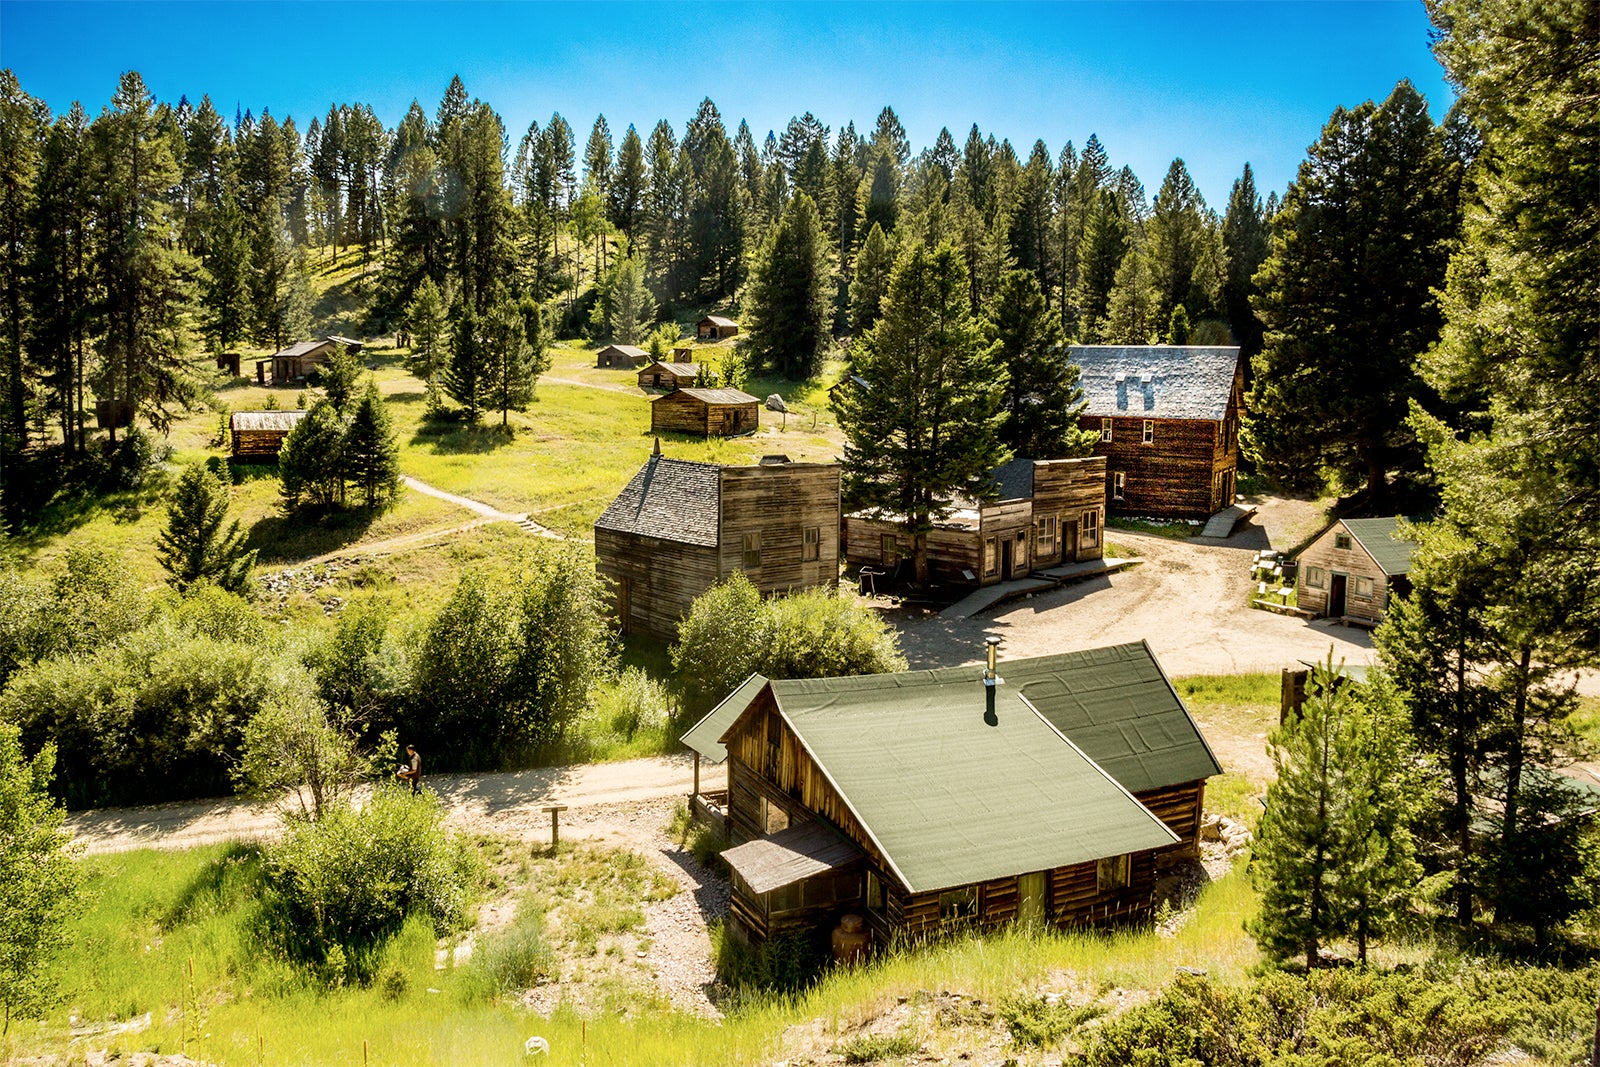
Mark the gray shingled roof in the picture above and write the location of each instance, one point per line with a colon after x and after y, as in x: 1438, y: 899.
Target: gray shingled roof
x: 1187, y: 381
x: 673, y: 499
x: 1014, y: 480
x: 679, y: 370
x: 719, y: 320
x: 1378, y: 538
x: 632, y: 351
x: 716, y: 396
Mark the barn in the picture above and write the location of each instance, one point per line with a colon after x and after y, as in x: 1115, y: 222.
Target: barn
x: 1045, y: 513
x: 709, y: 412
x: 627, y: 356
x: 1167, y: 419
x: 1351, y: 569
x: 679, y: 527
x: 930, y: 801
x: 258, y: 435
x: 668, y: 375
x: 716, y: 328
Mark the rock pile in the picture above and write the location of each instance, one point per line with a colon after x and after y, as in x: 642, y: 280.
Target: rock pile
x: 1234, y: 837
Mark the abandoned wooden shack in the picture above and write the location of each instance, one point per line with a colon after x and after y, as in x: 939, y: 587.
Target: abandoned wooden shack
x: 351, y: 344
x: 1167, y: 417
x: 1045, y: 513
x: 628, y: 356
x: 929, y: 801
x: 683, y: 354
x: 291, y: 365
x: 228, y: 361
x: 710, y: 412
x: 1351, y: 569
x: 668, y: 375
x: 716, y: 328
x: 258, y: 435
x: 680, y: 527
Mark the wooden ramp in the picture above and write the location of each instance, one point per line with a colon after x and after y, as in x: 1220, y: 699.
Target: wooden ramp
x: 1220, y: 526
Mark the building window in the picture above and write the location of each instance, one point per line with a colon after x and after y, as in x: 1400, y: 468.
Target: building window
x: 1341, y: 541
x: 1361, y: 587
x: 1112, y: 872
x: 875, y: 894
x: 1119, y: 484
x: 784, y: 898
x: 991, y: 557
x: 773, y: 818
x: 1047, y: 536
x: 1316, y: 578
x: 812, y: 548
x: 959, y: 905
x: 1089, y: 529
x: 888, y: 550
x: 1105, y: 429
x: 752, y: 551
x: 1149, y: 431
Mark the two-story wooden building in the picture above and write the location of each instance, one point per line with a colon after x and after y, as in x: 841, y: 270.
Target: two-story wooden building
x: 927, y: 800
x: 1351, y: 569
x: 680, y: 527
x: 1167, y: 419
x: 1044, y: 512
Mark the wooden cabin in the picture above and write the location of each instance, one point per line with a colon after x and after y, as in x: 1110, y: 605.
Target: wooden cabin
x: 628, y: 356
x: 228, y: 361
x: 683, y: 354
x: 716, y: 328
x: 1045, y: 513
x: 668, y: 375
x: 258, y: 435
x: 350, y: 344
x: 1350, y: 570
x: 291, y: 365
x: 679, y: 527
x: 929, y: 801
x: 1167, y: 419
x: 710, y: 412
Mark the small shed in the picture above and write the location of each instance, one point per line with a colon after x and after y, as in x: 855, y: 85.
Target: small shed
x: 716, y: 328
x: 350, y: 343
x: 258, y: 435
x: 668, y: 375
x: 683, y: 354
x: 292, y: 364
x: 628, y: 356
x: 712, y: 412
x: 228, y: 361
x: 1351, y: 569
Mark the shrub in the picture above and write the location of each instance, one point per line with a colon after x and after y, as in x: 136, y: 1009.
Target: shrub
x: 339, y: 887
x: 787, y: 963
x: 512, y: 960
x: 875, y: 1048
x: 1035, y: 1021
x: 634, y: 702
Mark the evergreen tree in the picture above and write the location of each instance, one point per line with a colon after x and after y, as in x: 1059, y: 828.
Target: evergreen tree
x: 22, y: 124
x: 1133, y: 309
x: 874, y: 263
x: 1348, y: 295
x: 311, y: 461
x: 1333, y: 857
x: 61, y: 273
x: 1180, y: 230
x: 341, y: 380
x: 597, y: 159
x: 790, y: 305
x: 509, y: 367
x: 1042, y: 399
x: 467, y: 378
x: 927, y: 427
x: 225, y: 275
x: 1244, y: 242
x: 629, y: 308
x: 371, y: 450
x: 625, y: 198
x: 194, y: 547
x: 1104, y: 244
x: 425, y: 320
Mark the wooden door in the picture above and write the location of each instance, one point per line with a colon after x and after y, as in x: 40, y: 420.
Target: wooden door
x: 1031, y: 890
x: 1007, y: 547
x: 625, y: 602
x: 1069, y: 542
x: 1336, y: 591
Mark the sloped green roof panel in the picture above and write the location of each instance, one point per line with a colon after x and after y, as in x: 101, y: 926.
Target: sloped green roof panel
x: 952, y: 795
x: 1380, y: 539
x: 705, y: 736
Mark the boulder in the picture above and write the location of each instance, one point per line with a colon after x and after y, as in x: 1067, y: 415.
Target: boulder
x: 1211, y: 828
x: 775, y: 403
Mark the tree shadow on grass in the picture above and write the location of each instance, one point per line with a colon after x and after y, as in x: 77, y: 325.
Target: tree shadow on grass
x: 232, y: 879
x: 291, y: 538
x: 450, y: 438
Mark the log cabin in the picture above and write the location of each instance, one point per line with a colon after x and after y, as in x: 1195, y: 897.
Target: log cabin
x: 627, y: 356
x: 680, y: 527
x: 716, y: 328
x: 1351, y: 569
x: 291, y: 365
x: 258, y: 435
x: 1167, y: 419
x: 668, y: 375
x: 929, y: 801
x: 1043, y: 513
x: 707, y: 412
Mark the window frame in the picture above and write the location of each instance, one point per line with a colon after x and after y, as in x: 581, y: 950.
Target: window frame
x: 750, y: 551
x: 1149, y: 436
x: 1362, y: 587
x: 1119, y: 485
x: 1105, y: 431
x: 1316, y: 578
x: 959, y: 905
x: 1113, y: 872
x: 1046, y: 535
x: 1342, y: 542
x: 811, y: 544
x: 1089, y: 529
x: 991, y: 556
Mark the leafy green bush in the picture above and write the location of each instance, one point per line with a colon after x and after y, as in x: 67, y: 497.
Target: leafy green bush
x: 874, y: 1048
x: 339, y: 887
x: 787, y: 963
x: 634, y: 702
x: 1035, y: 1021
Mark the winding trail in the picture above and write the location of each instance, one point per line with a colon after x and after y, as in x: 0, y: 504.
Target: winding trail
x: 478, y: 507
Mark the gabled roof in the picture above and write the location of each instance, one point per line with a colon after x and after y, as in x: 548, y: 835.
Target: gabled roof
x: 672, y: 499
x: 677, y: 370
x: 705, y: 736
x: 719, y: 320
x: 631, y: 351
x: 304, y: 348
x: 1186, y: 381
x: 347, y: 341
x: 951, y: 795
x: 1379, y: 538
x: 264, y: 420
x: 791, y: 856
x: 714, y: 396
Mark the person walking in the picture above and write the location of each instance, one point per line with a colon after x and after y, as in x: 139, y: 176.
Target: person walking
x: 412, y: 772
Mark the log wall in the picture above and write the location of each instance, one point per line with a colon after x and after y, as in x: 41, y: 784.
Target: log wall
x: 655, y: 581
x: 257, y: 445
x: 1179, y: 807
x: 685, y: 414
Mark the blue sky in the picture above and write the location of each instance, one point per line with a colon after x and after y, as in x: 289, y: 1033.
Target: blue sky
x: 1215, y: 83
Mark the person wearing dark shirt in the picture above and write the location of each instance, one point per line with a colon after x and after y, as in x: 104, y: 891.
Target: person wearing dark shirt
x: 413, y: 772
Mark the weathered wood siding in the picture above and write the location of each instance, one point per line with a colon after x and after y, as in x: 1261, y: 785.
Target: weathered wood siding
x: 1179, y: 806
x: 687, y: 414
x: 951, y: 549
x: 1351, y: 563
x: 664, y: 376
x: 257, y: 445
x: 778, y: 503
x: 654, y: 581
x: 1066, y: 489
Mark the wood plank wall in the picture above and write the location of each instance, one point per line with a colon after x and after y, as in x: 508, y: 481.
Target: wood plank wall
x: 685, y: 414
x: 1352, y: 561
x: 663, y: 578
x: 257, y: 444
x: 779, y: 502
x: 1067, y: 488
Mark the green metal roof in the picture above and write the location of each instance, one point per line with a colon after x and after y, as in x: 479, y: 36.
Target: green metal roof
x: 1118, y: 706
x: 705, y: 736
x: 1378, y: 538
x: 951, y: 796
